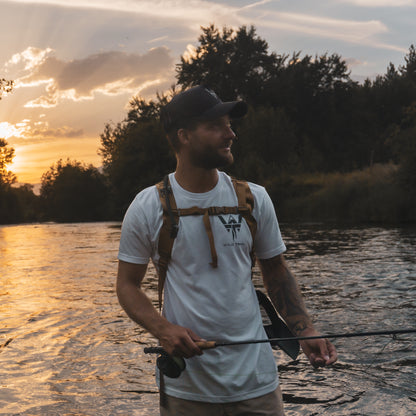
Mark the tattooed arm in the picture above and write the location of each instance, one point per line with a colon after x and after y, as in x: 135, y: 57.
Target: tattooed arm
x: 285, y: 294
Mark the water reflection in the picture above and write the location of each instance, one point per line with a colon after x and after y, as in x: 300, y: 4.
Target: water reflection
x: 66, y: 347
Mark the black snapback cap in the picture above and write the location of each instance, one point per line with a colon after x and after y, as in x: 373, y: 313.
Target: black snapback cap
x: 198, y: 103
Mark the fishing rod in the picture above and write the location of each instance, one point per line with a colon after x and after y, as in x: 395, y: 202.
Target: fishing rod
x: 204, y: 345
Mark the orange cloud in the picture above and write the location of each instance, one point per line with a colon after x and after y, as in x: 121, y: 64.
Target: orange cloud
x: 109, y: 73
x: 26, y: 130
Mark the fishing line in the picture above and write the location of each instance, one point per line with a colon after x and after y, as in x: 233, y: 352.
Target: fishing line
x: 368, y: 366
x: 359, y: 370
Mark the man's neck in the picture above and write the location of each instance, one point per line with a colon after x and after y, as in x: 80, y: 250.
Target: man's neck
x: 196, y: 180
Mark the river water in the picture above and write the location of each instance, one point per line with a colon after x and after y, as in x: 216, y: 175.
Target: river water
x: 67, y: 348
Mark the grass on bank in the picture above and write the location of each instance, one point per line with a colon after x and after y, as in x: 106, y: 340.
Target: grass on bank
x: 370, y: 195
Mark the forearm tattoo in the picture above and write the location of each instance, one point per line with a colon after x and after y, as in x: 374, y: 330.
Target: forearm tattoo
x: 285, y: 294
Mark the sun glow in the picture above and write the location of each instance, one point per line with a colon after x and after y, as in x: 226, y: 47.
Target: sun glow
x: 34, y: 159
x: 8, y: 130
x: 18, y: 163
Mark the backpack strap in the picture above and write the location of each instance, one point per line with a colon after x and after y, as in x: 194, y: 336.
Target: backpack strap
x: 168, y: 232
x: 208, y: 229
x: 245, y: 208
x: 171, y: 216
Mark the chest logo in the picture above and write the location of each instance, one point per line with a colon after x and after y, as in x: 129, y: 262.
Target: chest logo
x: 232, y: 224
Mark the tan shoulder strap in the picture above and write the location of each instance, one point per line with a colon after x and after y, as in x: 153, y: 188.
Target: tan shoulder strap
x: 168, y: 231
x: 245, y: 208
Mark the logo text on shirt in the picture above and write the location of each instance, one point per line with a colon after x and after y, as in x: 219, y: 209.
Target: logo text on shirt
x: 232, y: 224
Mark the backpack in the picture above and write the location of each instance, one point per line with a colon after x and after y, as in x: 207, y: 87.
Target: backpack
x: 276, y: 327
x: 170, y: 226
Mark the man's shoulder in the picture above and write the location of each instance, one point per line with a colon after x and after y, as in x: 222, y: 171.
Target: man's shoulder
x: 253, y: 186
x: 257, y: 190
x: 147, y: 198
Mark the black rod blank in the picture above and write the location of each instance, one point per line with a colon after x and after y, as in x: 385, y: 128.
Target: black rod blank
x: 214, y: 344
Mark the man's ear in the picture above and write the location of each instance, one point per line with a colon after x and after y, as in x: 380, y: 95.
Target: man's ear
x: 183, y: 136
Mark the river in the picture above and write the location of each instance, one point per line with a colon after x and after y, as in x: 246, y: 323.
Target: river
x: 67, y: 347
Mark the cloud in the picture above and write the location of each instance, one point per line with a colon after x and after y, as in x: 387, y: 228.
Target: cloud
x: 8, y: 130
x: 28, y: 131
x: 110, y: 73
x: 28, y: 59
x: 381, y: 3
x: 256, y: 4
x: 351, y: 31
x: 262, y: 13
x: 192, y: 10
x: 42, y: 129
x: 351, y: 62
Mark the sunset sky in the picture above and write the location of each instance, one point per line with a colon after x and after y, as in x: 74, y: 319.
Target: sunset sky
x: 76, y: 63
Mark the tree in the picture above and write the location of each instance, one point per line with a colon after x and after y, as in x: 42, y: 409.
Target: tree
x: 135, y: 152
x: 17, y: 204
x: 266, y: 145
x: 72, y: 191
x: 5, y: 86
x: 409, y: 70
x: 233, y: 63
x: 404, y: 146
x: 314, y: 93
x: 7, y: 178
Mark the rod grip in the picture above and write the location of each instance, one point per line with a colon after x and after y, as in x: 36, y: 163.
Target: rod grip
x: 206, y: 345
x: 154, y: 350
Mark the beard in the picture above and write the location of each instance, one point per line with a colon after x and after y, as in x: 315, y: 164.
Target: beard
x: 210, y: 158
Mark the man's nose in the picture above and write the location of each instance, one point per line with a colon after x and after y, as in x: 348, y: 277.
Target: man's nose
x: 231, y: 134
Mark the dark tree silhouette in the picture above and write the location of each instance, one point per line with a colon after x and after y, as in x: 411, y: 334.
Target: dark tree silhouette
x: 6, y: 86
x: 72, y: 191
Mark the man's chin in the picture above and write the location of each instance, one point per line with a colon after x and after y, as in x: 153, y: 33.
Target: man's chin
x: 219, y: 163
x: 227, y: 162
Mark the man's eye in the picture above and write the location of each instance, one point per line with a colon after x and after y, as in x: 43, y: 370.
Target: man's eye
x: 220, y: 125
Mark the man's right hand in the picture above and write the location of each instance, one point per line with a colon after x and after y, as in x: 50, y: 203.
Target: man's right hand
x: 175, y: 339
x: 179, y: 341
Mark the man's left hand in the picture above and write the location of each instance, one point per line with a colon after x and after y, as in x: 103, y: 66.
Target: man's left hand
x: 320, y: 352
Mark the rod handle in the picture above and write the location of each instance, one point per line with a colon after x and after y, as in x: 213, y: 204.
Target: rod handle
x: 206, y: 345
x: 154, y: 350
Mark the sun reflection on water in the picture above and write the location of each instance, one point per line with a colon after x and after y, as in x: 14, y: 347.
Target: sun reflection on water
x: 66, y: 346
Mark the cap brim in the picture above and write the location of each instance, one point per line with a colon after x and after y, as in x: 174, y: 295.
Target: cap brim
x: 235, y: 109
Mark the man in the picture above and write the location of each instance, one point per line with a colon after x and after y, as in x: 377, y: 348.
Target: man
x: 203, y: 300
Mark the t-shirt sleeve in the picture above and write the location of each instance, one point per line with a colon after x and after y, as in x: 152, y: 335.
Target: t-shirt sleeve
x: 140, y: 228
x: 268, y: 241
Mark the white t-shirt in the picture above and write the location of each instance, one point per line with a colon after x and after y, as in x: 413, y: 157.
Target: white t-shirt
x: 216, y: 303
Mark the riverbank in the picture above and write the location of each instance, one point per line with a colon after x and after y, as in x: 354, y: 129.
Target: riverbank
x: 373, y: 195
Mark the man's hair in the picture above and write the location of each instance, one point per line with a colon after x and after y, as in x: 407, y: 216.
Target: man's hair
x: 173, y: 140
x: 172, y: 133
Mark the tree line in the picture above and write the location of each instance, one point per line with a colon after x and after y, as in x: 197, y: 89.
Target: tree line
x: 324, y: 145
